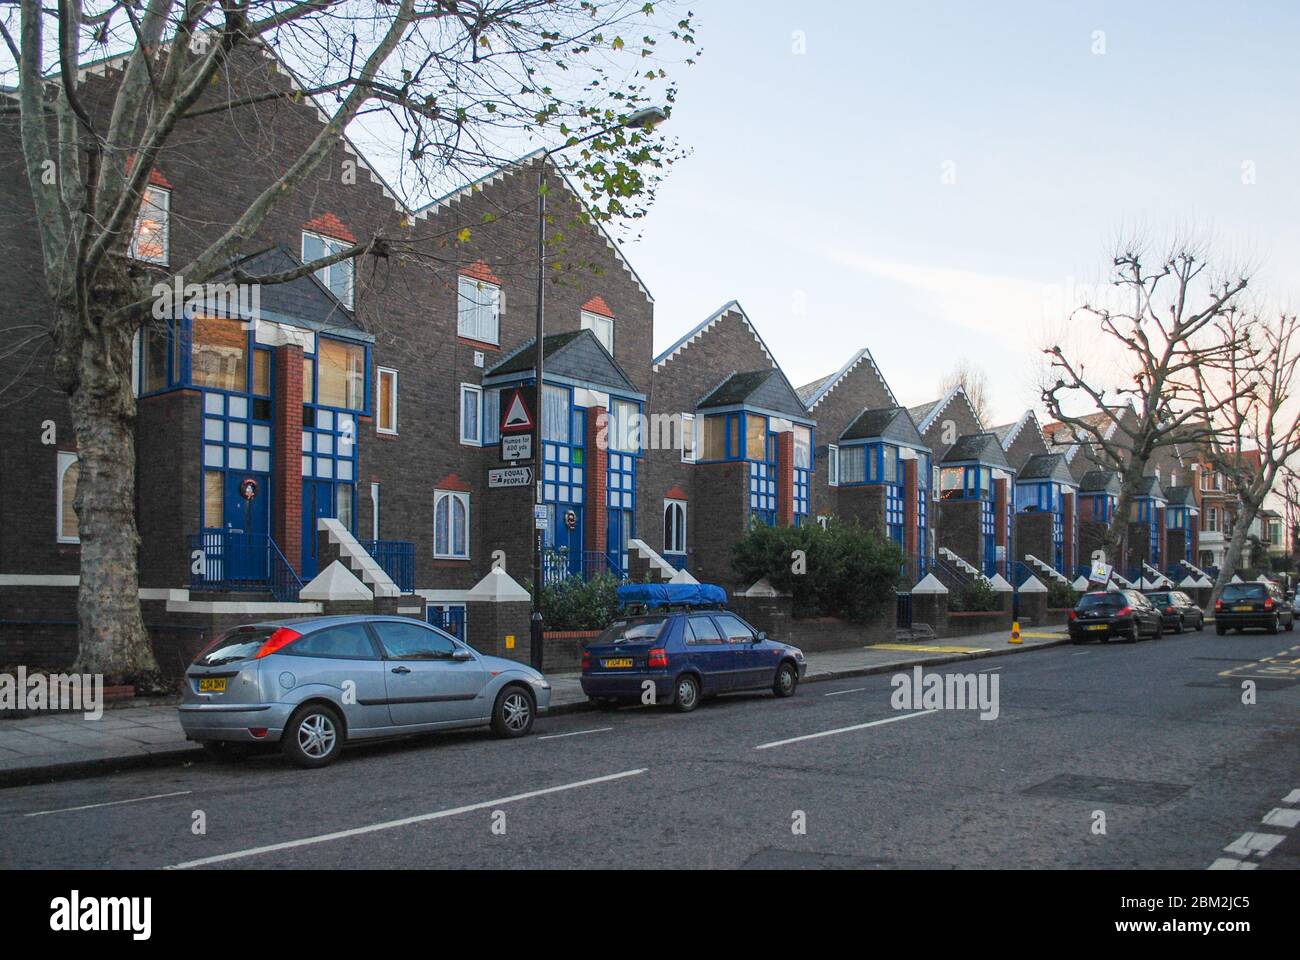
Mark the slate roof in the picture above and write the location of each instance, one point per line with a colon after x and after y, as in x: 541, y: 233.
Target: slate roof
x: 303, y: 302
x: 883, y: 423
x: 983, y: 448
x: 1100, y: 481
x: 1150, y: 487
x: 765, y: 389
x: 1181, y: 496
x: 1046, y: 466
x: 575, y: 355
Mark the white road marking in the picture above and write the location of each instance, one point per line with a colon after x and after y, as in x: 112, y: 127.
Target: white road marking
x: 989, y: 670
x: 111, y: 803
x: 1258, y: 843
x: 837, y: 693
x: 576, y: 733
x: 1227, y: 863
x: 831, y: 733
x: 1292, y: 797
x: 1081, y: 653
x: 405, y: 821
x: 1280, y: 817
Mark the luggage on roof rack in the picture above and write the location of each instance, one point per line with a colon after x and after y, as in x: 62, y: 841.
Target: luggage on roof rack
x: 654, y: 596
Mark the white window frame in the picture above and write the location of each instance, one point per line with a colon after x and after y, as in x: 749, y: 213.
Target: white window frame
x: 65, y: 461
x: 326, y: 274
x: 374, y: 511
x: 379, y: 376
x: 456, y: 496
x: 151, y: 195
x: 690, y: 427
x: 1211, y: 520
x: 477, y: 334
x: 668, y: 505
x: 833, y: 465
x: 475, y: 441
x: 593, y: 322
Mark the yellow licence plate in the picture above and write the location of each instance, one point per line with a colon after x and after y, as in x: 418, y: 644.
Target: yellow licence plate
x: 1245, y: 609
x: 621, y: 662
x: 212, y: 685
x: 1097, y: 626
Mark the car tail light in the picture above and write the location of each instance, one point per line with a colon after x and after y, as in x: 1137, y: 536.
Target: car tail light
x: 1125, y: 612
x: 1169, y: 609
x: 257, y: 732
x: 281, y: 638
x: 586, y: 660
x: 1268, y: 604
x: 1074, y: 614
x: 658, y: 657
x: 1218, y: 605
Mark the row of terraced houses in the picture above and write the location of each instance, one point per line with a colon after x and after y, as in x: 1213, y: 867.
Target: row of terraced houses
x: 332, y: 442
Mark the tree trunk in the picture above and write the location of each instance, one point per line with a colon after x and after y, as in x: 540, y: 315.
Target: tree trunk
x: 1236, y: 546
x: 94, y: 369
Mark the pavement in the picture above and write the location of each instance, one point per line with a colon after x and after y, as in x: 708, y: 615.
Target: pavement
x: 1116, y: 756
x: 58, y: 746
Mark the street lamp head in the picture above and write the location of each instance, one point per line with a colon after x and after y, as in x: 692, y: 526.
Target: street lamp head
x: 646, y: 119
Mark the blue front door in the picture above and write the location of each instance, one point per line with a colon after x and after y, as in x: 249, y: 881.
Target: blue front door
x: 318, y: 500
x: 565, y: 539
x: 247, y: 522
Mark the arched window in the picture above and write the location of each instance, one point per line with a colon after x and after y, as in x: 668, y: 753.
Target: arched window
x: 69, y: 470
x: 451, y: 525
x: 674, y: 526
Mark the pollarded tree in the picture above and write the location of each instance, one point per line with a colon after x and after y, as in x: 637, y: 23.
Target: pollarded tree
x: 1252, y: 423
x: 1156, y: 333
x: 459, y: 85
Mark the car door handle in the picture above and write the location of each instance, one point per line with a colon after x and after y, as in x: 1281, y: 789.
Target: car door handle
x: 401, y: 669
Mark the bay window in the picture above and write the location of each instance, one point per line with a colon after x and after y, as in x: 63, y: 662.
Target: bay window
x: 341, y: 375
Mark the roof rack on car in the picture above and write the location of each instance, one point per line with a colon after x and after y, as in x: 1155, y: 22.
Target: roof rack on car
x: 671, y: 596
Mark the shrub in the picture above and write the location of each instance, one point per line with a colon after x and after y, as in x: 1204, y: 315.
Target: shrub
x: 850, y: 572
x: 1060, y: 595
x: 976, y: 595
x: 577, y: 604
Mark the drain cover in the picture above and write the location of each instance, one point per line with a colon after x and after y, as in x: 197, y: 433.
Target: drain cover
x: 1138, y: 793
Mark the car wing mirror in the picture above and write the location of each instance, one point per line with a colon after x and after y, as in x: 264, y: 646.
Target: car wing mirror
x: 460, y: 653
x: 762, y: 635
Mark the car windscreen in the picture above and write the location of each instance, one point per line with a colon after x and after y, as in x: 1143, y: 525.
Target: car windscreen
x: 237, y: 644
x: 1102, y: 601
x: 1159, y: 599
x: 1244, y: 591
x: 630, y: 631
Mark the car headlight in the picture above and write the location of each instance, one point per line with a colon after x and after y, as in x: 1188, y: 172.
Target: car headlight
x: 798, y: 654
x: 541, y: 683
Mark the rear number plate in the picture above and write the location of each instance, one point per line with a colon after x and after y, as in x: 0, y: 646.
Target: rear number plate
x: 212, y: 685
x: 1245, y: 609
x: 621, y: 662
x: 1097, y: 626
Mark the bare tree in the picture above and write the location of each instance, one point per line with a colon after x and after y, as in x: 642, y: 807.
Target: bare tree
x: 455, y: 82
x: 1157, y: 334
x: 1252, y: 426
x: 974, y: 382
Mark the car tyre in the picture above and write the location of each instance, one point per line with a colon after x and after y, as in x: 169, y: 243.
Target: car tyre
x: 1134, y: 634
x: 1290, y: 625
x: 1272, y: 626
x: 1182, y: 625
x: 1200, y: 623
x: 686, y: 693
x: 1220, y: 629
x: 787, y: 680
x: 225, y: 751
x: 1160, y: 629
x: 513, y: 713
x: 313, y: 737
x: 605, y: 704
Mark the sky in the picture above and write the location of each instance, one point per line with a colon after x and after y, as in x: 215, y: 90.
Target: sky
x: 938, y: 181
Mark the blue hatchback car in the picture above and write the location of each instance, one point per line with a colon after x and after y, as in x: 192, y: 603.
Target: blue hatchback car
x: 685, y: 646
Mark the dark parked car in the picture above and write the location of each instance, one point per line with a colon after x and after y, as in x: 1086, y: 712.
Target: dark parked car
x: 1258, y: 604
x: 1179, y: 610
x: 685, y: 652
x: 1115, y: 613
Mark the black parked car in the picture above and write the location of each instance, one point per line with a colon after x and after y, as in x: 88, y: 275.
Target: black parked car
x: 1115, y: 613
x: 1243, y: 605
x: 1180, y: 611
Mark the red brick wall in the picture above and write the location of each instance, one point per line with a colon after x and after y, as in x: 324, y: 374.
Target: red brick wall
x: 597, y: 480
x: 785, y: 479
x: 286, y: 525
x: 909, y: 508
x: 1000, y: 532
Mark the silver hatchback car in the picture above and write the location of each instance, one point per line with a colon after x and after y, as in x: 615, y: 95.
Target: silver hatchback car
x: 311, y: 685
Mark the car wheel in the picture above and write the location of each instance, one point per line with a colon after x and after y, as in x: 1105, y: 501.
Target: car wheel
x: 686, y: 693
x: 1290, y: 625
x: 787, y: 679
x: 313, y: 737
x: 605, y: 704
x: 225, y: 751
x: 1220, y: 629
x: 512, y: 715
x: 1160, y: 629
x: 1134, y: 635
x: 1272, y: 626
x: 1200, y: 623
x: 1182, y: 625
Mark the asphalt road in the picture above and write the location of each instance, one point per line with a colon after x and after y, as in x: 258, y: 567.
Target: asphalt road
x: 1154, y: 736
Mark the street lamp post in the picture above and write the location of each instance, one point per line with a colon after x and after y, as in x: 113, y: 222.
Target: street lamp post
x: 640, y: 120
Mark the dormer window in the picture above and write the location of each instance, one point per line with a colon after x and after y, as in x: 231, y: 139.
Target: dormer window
x: 478, y: 310
x: 337, y: 277
x: 151, y: 240
x: 602, y: 327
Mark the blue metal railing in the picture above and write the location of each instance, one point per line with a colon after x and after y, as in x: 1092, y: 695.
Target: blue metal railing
x: 397, y: 558
x: 560, y: 565
x: 241, y: 562
x: 903, y: 610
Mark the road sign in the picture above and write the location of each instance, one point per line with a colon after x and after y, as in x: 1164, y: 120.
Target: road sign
x: 541, y: 516
x: 517, y: 410
x: 510, y: 477
x: 516, y: 447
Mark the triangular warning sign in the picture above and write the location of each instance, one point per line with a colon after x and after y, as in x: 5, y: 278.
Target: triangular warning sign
x: 517, y: 417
